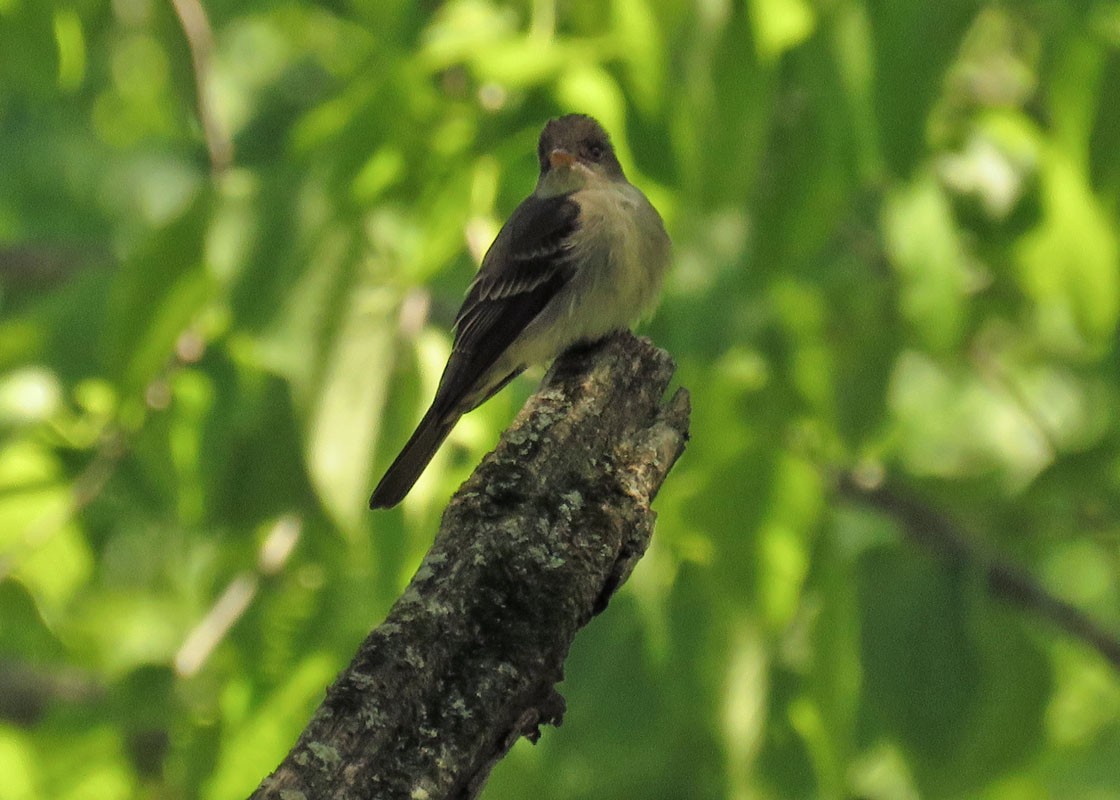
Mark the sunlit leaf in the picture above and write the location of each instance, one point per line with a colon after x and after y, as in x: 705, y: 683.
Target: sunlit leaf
x: 17, y: 760
x: 780, y: 25
x: 926, y: 249
x: 345, y: 420
x: 1071, y: 263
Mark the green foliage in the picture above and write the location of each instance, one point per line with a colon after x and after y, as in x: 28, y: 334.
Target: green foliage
x: 897, y: 253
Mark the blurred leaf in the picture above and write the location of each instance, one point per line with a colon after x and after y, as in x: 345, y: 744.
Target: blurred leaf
x: 780, y: 25
x: 923, y: 671
x: 44, y: 549
x: 786, y: 532
x: 18, y: 763
x: 954, y: 678
x: 913, y: 48
x: 1008, y: 724
x: 260, y: 736
x: 126, y: 628
x: 952, y: 422
x: 351, y: 396
x: 924, y: 247
x: 158, y: 292
x: 26, y: 635
x: 29, y: 57
x: 594, y: 91
x: 92, y: 764
x: 639, y: 36
x: 1088, y: 771
x: 1070, y: 265
x: 1104, y: 142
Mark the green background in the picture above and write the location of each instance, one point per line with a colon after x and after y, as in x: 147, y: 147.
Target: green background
x: 223, y: 309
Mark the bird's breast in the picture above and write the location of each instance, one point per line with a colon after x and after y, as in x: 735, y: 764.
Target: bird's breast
x: 623, y: 253
x: 620, y: 253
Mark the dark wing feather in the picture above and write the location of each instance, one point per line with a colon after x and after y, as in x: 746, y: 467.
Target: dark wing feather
x: 527, y: 265
x: 525, y: 253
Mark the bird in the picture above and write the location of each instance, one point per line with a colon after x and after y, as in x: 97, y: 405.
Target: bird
x: 581, y: 257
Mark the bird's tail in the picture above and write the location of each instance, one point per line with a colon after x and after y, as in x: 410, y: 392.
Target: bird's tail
x: 406, y: 469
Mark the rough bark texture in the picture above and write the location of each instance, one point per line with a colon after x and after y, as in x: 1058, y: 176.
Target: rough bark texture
x: 530, y: 548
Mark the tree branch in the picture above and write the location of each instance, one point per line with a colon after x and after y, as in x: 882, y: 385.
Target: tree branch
x: 529, y: 549
x: 200, y: 40
x: 1010, y: 582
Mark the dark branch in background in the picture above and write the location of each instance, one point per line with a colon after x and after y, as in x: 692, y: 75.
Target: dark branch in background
x: 200, y: 40
x: 935, y: 531
x: 530, y: 548
x: 28, y: 691
x: 36, y: 266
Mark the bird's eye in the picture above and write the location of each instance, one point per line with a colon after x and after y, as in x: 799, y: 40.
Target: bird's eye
x: 594, y: 151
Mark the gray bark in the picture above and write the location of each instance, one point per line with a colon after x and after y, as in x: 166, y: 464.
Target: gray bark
x: 530, y: 548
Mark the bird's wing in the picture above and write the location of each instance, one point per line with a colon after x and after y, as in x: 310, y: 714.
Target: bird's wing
x: 529, y: 262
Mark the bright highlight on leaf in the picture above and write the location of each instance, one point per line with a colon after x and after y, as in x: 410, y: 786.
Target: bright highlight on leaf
x: 780, y: 25
x: 71, y: 49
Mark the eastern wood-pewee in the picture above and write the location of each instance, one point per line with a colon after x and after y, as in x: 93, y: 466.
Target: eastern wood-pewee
x: 581, y: 257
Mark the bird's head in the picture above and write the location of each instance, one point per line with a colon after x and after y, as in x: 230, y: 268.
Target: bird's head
x: 574, y: 151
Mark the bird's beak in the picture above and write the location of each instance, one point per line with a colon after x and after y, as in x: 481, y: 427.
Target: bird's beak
x: 561, y: 158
